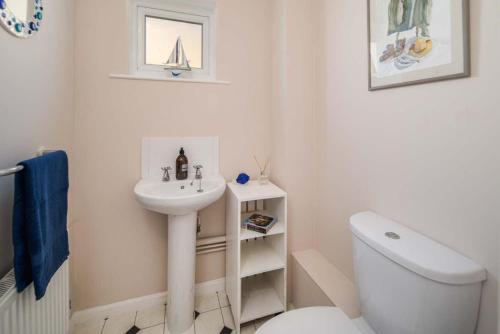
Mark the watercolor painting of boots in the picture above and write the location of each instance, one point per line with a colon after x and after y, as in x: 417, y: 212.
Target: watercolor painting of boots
x: 417, y: 41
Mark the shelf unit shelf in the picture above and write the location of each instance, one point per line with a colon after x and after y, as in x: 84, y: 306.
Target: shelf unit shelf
x: 256, y: 268
x: 258, y: 258
x: 278, y: 228
x: 259, y: 300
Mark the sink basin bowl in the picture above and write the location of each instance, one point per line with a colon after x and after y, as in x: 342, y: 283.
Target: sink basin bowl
x: 179, y: 197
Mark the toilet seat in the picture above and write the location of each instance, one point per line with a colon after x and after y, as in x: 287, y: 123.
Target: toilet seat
x: 312, y: 320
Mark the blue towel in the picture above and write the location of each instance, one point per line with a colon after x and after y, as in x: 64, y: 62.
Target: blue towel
x: 39, y: 230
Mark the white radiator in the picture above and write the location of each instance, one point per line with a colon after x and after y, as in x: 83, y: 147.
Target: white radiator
x: 22, y: 314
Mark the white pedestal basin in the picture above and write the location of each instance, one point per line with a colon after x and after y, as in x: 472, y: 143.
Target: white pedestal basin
x: 180, y: 201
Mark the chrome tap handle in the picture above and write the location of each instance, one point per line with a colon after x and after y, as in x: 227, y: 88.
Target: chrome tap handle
x: 166, y: 174
x: 198, y: 171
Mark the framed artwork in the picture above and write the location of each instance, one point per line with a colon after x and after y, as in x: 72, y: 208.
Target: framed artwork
x: 417, y: 41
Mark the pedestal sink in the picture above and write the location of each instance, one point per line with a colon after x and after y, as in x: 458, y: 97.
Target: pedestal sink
x: 180, y: 200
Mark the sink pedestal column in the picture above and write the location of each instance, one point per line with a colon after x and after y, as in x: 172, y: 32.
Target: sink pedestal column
x: 181, y: 272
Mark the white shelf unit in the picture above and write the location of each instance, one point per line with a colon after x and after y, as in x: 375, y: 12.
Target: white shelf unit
x: 256, y: 267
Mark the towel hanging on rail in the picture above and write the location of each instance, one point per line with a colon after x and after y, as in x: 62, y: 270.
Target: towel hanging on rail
x: 40, y: 220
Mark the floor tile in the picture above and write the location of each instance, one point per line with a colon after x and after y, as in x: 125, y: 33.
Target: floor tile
x: 153, y: 330
x: 205, y: 303
x: 209, y: 322
x: 189, y: 331
x: 223, y: 299
x: 150, y: 317
x: 262, y: 321
x: 89, y: 327
x: 133, y: 330
x: 227, y: 317
x: 248, y: 329
x: 119, y: 324
x: 226, y: 330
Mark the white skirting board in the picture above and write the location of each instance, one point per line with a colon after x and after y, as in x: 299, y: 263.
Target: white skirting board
x: 141, y: 302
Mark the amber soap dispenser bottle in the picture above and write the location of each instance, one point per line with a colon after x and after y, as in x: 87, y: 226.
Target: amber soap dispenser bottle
x: 181, y: 166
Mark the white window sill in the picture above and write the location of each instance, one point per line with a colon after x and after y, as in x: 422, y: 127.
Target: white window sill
x: 181, y: 80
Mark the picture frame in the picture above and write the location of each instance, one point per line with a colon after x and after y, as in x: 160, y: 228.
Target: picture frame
x: 414, y: 42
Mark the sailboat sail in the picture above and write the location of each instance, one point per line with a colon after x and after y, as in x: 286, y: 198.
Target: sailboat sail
x: 405, y: 15
x: 178, y: 58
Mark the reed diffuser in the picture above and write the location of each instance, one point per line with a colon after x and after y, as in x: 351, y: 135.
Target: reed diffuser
x: 263, y: 176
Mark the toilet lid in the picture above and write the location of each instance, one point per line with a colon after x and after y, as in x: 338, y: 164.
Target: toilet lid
x: 317, y: 320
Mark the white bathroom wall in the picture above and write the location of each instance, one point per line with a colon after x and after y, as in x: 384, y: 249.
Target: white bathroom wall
x: 36, y: 101
x: 426, y: 156
x: 294, y: 158
x: 120, y: 249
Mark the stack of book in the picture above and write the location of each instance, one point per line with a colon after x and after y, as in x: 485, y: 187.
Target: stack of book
x: 260, y: 222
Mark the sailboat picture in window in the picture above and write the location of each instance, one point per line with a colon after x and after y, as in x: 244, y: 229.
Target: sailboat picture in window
x: 417, y: 41
x: 178, y: 62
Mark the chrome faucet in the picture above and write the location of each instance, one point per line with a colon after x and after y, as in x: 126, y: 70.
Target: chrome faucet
x: 198, y: 176
x: 198, y: 172
x: 166, y: 174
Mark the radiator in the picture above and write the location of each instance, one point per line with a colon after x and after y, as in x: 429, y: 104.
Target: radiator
x: 22, y: 314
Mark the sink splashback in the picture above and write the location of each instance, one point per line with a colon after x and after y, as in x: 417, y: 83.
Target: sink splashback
x: 162, y: 152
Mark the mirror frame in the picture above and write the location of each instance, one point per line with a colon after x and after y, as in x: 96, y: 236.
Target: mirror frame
x: 18, y: 27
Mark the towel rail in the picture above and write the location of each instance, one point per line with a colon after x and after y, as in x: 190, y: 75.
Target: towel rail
x: 10, y: 171
x: 13, y: 170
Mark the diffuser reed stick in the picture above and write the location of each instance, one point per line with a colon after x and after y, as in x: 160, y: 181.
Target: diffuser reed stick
x: 263, y: 178
x: 261, y: 170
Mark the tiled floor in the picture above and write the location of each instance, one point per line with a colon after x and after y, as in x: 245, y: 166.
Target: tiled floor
x: 213, y: 316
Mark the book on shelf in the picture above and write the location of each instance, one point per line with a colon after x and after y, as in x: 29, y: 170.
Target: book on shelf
x: 260, y: 222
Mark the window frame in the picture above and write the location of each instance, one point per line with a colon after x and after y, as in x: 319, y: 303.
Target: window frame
x: 194, y: 12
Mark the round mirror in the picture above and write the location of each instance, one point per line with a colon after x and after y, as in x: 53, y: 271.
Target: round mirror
x: 22, y: 18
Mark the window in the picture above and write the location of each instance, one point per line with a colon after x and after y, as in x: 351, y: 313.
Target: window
x: 156, y: 25
x: 161, y: 37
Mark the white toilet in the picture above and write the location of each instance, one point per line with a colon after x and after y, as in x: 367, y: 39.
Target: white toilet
x: 407, y: 284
